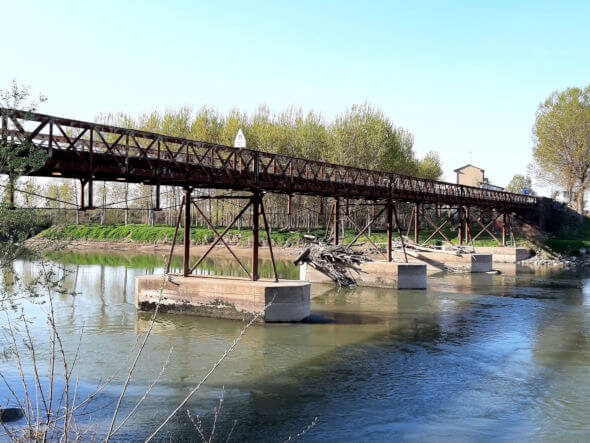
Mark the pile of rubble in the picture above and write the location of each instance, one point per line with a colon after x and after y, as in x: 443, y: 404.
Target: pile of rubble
x: 565, y: 261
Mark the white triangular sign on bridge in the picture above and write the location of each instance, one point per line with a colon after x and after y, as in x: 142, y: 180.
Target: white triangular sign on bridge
x: 240, y: 140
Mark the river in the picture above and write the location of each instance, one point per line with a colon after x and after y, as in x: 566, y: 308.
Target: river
x: 474, y: 357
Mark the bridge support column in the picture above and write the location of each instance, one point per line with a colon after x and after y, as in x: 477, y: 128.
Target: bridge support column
x: 466, y: 224
x: 504, y: 229
x: 187, y: 232
x: 157, y: 208
x: 289, y: 198
x: 255, y: 234
x: 336, y: 219
x: 399, y: 232
x: 460, y: 228
x: 90, y: 194
x: 82, y: 184
x: 416, y: 228
x: 389, y: 223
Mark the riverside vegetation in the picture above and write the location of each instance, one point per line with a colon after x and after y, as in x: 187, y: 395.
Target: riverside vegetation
x: 202, y: 236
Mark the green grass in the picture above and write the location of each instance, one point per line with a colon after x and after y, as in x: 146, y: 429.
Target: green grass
x: 163, y: 233
x: 571, y: 239
x: 157, y: 233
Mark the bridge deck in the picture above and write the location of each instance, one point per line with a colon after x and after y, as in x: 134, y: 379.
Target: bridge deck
x: 91, y: 151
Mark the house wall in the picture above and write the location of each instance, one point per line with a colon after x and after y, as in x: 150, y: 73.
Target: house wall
x: 470, y: 176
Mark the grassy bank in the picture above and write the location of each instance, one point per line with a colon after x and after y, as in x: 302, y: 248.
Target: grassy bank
x: 148, y: 234
x: 157, y: 234
x: 571, y: 239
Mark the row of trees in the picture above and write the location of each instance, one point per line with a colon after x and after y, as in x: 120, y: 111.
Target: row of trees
x: 361, y: 136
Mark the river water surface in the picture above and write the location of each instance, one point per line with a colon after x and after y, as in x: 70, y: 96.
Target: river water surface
x: 473, y: 357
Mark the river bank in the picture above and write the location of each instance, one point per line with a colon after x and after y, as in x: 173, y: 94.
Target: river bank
x: 163, y: 234
x: 569, y: 251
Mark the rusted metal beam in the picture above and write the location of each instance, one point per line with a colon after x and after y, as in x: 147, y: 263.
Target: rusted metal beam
x: 187, y: 232
x: 289, y: 197
x: 399, y: 232
x: 461, y: 226
x: 504, y: 229
x: 485, y: 228
x: 180, y: 209
x: 362, y: 232
x: 82, y: 184
x: 437, y: 228
x: 218, y: 239
x: 268, y: 238
x: 467, y: 229
x: 389, y: 225
x: 208, y: 222
x: 416, y: 227
x: 256, y: 199
x: 336, y: 219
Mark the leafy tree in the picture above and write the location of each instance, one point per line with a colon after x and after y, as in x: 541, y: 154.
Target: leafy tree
x: 17, y: 159
x: 364, y: 137
x: 430, y: 166
x: 519, y: 183
x: 207, y: 125
x: 562, y: 141
x: 20, y: 158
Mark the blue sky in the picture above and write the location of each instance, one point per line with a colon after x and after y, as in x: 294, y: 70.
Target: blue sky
x: 464, y: 77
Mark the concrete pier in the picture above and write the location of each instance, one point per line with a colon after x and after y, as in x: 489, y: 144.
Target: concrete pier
x: 225, y: 297
x: 377, y: 274
x: 440, y: 260
x: 481, y: 262
x: 504, y: 254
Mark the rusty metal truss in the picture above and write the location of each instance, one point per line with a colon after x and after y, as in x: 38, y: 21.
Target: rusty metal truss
x: 92, y: 151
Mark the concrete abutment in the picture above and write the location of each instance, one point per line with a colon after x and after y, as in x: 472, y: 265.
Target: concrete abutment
x: 225, y: 297
x: 379, y: 274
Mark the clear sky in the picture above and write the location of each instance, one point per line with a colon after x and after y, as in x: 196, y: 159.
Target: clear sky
x: 463, y: 77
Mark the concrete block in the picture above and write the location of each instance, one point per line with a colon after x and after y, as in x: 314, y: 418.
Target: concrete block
x: 225, y: 297
x: 506, y: 254
x: 411, y: 276
x: 481, y: 262
x: 377, y: 274
x: 522, y: 254
x: 309, y: 274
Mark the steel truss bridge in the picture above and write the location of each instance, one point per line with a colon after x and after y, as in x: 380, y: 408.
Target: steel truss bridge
x: 91, y: 151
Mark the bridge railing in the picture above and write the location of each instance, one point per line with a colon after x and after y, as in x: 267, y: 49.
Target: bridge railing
x: 159, y: 150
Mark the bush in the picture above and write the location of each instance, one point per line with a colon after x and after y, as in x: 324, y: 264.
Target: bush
x: 17, y: 225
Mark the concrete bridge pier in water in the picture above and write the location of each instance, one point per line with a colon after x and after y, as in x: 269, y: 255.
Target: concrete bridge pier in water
x: 266, y: 300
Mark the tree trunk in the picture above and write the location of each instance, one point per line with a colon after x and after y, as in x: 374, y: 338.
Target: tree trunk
x: 103, y: 211
x: 126, y: 193
x: 580, y: 203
